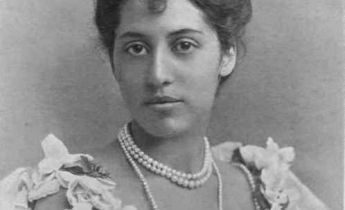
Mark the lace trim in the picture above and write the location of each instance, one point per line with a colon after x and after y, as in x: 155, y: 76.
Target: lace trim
x: 48, y: 188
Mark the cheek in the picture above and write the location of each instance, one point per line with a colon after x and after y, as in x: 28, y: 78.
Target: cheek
x: 203, y: 72
x: 130, y: 76
x: 202, y: 83
x: 210, y: 69
x: 205, y: 89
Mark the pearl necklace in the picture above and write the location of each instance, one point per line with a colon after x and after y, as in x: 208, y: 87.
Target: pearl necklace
x: 124, y: 134
x: 251, y: 181
x: 182, y: 179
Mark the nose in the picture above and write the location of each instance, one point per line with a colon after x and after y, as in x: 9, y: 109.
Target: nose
x: 160, y: 72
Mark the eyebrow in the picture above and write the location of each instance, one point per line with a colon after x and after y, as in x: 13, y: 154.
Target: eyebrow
x: 184, y: 31
x: 131, y: 34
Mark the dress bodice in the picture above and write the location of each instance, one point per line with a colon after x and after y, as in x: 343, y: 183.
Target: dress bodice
x: 88, y: 186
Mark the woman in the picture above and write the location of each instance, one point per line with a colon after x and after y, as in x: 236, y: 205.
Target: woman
x: 169, y: 58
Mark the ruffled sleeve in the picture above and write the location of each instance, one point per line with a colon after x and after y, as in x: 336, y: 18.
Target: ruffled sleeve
x: 274, y: 186
x: 87, y: 185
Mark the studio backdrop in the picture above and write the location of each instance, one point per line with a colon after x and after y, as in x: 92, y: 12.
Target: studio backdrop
x: 55, y: 78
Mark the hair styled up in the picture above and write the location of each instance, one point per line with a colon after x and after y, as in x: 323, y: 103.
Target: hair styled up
x: 227, y: 17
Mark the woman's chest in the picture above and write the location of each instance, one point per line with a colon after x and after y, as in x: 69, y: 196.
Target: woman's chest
x: 235, y: 192
x: 167, y: 196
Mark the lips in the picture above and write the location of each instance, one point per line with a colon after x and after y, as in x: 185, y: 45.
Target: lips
x: 161, y: 100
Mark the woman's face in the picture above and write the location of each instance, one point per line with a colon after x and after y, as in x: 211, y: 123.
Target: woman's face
x: 168, y: 66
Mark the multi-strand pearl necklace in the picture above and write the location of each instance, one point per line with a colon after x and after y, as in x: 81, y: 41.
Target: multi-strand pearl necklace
x: 182, y: 179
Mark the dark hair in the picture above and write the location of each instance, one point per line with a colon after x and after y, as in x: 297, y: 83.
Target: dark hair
x: 227, y: 17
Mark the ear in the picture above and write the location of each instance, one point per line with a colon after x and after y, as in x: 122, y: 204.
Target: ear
x: 228, y: 62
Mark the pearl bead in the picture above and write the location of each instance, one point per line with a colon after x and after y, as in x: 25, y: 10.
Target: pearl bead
x: 180, y: 181
x: 192, y: 184
x: 185, y: 183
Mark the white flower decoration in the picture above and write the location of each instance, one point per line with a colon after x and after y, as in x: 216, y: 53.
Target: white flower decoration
x: 274, y: 163
x: 56, y: 155
x: 84, y: 193
x: 14, y: 190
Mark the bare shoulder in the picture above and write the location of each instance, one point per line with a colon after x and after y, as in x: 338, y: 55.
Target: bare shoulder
x: 237, y: 191
x: 104, y: 153
x: 111, y: 158
x: 56, y: 201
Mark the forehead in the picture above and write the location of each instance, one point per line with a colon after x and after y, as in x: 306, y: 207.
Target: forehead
x: 179, y: 14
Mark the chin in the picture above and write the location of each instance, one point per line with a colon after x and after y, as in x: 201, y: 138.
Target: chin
x: 167, y: 127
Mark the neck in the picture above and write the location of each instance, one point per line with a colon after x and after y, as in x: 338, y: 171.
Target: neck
x: 184, y: 152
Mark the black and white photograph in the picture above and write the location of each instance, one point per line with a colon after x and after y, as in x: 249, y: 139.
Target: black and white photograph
x: 172, y: 104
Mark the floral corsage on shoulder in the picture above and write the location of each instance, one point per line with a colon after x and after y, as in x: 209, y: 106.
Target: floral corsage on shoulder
x: 274, y: 186
x: 88, y: 186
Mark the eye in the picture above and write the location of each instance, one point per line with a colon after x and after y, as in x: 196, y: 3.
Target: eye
x: 185, y: 46
x: 136, y: 49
